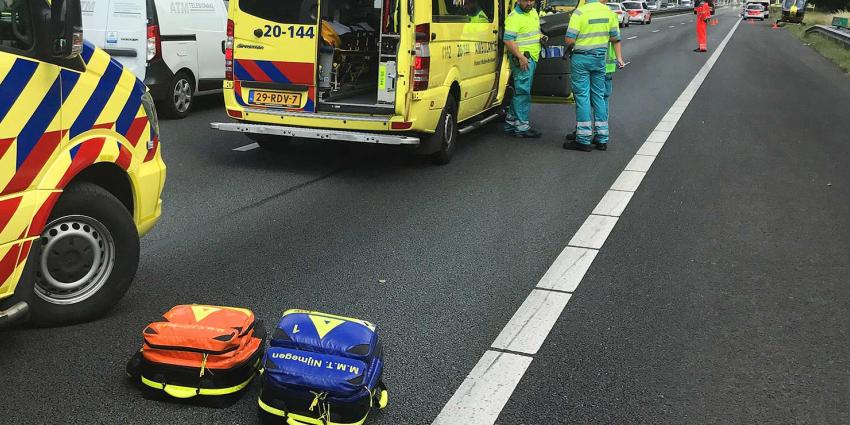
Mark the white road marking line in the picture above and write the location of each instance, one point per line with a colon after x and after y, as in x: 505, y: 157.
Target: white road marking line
x: 640, y: 163
x: 629, y: 180
x: 656, y: 30
x: 632, y: 37
x: 481, y: 397
x: 665, y: 126
x: 484, y: 392
x: 246, y: 148
x: 613, y: 203
x: 531, y: 324
x: 672, y: 117
x: 568, y: 269
x: 650, y: 149
x: 594, y: 231
x: 672, y: 26
x: 658, y: 136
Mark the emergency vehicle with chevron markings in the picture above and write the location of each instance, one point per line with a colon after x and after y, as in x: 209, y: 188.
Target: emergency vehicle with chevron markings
x: 80, y: 167
x: 400, y: 72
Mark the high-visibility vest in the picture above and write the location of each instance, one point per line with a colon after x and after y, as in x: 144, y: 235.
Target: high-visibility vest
x: 592, y: 26
x: 524, y: 29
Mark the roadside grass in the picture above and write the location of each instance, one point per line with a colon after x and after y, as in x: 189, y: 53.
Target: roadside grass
x: 827, y: 47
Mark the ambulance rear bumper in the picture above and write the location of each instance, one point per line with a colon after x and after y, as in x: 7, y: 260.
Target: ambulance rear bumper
x: 317, y: 133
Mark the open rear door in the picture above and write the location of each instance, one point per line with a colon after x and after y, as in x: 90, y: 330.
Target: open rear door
x: 274, y: 53
x: 552, y: 77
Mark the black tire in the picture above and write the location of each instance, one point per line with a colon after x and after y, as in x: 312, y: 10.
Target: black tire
x: 86, y: 223
x: 445, y: 135
x: 271, y: 143
x: 180, y: 96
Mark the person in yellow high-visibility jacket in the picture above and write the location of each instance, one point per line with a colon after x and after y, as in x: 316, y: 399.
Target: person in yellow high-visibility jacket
x: 592, y: 28
x: 522, y: 40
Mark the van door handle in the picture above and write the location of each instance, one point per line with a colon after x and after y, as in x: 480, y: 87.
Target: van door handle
x: 222, y: 46
x: 433, y: 36
x: 495, y: 31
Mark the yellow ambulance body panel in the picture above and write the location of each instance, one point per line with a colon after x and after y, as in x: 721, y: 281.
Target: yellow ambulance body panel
x: 68, y: 122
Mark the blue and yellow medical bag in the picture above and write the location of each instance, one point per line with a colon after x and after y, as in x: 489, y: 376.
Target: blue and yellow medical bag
x: 322, y: 369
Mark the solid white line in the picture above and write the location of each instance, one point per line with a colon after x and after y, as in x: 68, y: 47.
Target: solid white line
x: 481, y: 397
x: 640, y: 163
x: 613, y: 203
x: 568, y: 269
x: 594, y: 231
x: 632, y: 37
x: 658, y: 136
x: 532, y: 322
x: 628, y: 180
x: 247, y: 147
x: 486, y: 389
x: 650, y: 149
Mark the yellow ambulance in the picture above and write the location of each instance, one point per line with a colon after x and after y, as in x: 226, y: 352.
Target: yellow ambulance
x: 80, y: 168
x: 400, y: 72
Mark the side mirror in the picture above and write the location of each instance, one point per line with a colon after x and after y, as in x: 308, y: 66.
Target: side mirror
x: 66, y: 23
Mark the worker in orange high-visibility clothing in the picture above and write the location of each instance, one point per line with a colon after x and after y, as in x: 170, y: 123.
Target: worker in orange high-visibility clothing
x: 703, y: 11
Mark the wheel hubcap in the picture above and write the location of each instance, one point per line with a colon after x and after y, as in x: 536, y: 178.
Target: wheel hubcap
x: 182, y: 95
x: 77, y: 257
x: 449, y: 134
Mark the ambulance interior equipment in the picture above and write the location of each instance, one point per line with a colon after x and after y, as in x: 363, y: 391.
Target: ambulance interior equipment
x: 358, y: 54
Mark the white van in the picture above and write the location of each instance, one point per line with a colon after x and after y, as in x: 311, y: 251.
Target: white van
x: 175, y: 46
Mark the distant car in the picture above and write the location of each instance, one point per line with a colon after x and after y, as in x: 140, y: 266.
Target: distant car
x: 652, y: 5
x: 753, y: 11
x: 638, y: 12
x: 622, y: 16
x: 765, y: 3
x: 686, y: 3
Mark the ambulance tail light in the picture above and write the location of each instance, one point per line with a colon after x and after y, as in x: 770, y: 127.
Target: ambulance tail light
x: 421, y: 57
x: 154, y: 43
x: 228, y: 52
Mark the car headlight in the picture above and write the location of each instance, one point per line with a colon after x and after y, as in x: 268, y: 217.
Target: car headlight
x: 150, y: 110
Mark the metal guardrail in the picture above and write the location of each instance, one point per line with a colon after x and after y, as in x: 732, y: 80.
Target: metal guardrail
x: 842, y: 36
x: 673, y: 11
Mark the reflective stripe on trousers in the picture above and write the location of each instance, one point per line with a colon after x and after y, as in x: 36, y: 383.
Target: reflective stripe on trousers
x: 517, y: 120
x: 588, y: 84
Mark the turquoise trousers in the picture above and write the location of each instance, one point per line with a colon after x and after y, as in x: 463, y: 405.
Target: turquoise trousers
x: 517, y: 120
x: 588, y: 84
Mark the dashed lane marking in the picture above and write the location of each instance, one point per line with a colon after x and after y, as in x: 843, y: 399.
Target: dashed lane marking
x: 632, y: 37
x: 656, y: 31
x: 483, y: 394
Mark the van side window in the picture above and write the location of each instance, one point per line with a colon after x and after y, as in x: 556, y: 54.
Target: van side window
x: 16, y: 31
x: 302, y: 12
x: 462, y: 11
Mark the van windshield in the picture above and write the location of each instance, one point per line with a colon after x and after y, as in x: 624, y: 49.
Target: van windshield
x: 286, y: 12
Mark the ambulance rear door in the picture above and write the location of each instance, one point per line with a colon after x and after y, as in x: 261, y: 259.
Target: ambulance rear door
x: 552, y: 77
x: 274, y: 53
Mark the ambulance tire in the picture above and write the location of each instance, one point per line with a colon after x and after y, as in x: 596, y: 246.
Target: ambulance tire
x: 445, y: 135
x: 271, y: 143
x: 181, y: 92
x: 83, y: 204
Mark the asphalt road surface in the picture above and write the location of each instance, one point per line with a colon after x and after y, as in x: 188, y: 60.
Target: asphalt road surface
x: 720, y: 296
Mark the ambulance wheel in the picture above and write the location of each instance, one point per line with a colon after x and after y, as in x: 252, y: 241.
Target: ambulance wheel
x: 85, y: 260
x: 180, y: 96
x: 445, y: 135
